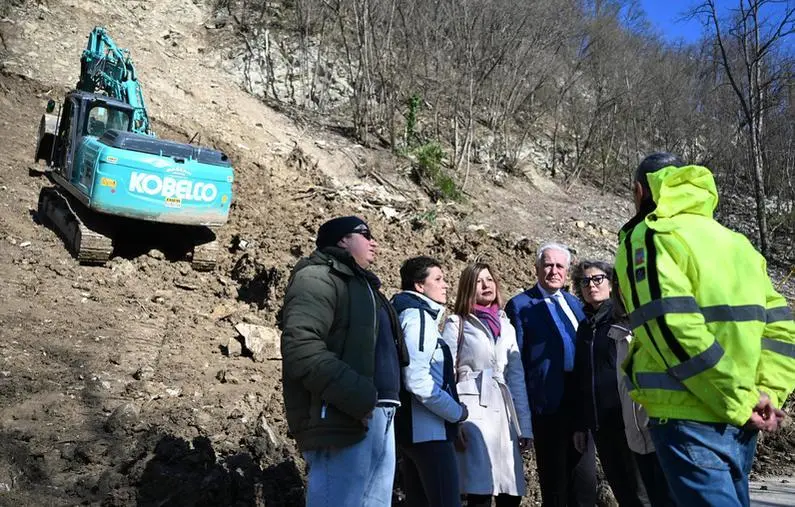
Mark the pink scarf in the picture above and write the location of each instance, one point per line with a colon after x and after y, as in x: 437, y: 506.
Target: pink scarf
x: 490, y: 317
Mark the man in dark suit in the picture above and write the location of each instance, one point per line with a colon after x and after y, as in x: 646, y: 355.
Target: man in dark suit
x: 546, y: 318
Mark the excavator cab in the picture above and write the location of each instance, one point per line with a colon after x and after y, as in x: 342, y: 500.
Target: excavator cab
x: 82, y: 114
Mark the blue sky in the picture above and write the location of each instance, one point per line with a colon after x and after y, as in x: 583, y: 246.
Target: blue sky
x: 666, y: 17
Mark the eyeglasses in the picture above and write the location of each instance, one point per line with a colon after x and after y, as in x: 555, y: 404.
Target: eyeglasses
x: 596, y: 279
x: 364, y: 231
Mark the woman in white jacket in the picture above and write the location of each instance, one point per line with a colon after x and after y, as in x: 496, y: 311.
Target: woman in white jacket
x: 491, y: 384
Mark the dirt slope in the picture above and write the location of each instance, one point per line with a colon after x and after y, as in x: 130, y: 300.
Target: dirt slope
x: 116, y: 386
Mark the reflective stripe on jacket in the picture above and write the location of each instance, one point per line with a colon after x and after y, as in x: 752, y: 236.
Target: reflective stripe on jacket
x: 711, y: 330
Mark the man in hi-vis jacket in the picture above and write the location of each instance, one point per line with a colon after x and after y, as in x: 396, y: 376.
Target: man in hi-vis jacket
x: 714, y: 354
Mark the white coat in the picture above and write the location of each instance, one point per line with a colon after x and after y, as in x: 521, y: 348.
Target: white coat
x: 491, y: 384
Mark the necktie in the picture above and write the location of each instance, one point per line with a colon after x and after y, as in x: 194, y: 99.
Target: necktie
x: 567, y: 332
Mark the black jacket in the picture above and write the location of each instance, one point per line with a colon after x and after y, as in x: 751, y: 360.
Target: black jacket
x: 597, y: 402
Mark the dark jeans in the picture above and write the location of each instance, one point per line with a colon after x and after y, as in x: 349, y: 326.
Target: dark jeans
x: 566, y: 477
x: 654, y: 480
x: 618, y: 463
x: 500, y: 500
x: 705, y: 463
x: 430, y: 475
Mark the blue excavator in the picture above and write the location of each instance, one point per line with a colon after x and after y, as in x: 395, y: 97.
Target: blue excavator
x: 113, y: 178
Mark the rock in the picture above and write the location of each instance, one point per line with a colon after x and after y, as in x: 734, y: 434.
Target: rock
x: 580, y: 224
x: 203, y: 419
x: 160, y: 296
x: 261, y: 341
x: 390, y: 212
x: 156, y: 254
x: 227, y: 377
x: 265, y: 431
x: 185, y: 285
x: 234, y: 348
x: 141, y: 389
x: 109, y: 481
x: 479, y: 228
x: 6, y: 478
x: 525, y: 245
x: 218, y: 22
x: 251, y: 318
x: 223, y: 311
x: 122, y: 267
x: 144, y: 373
x: 124, y: 416
x: 24, y: 244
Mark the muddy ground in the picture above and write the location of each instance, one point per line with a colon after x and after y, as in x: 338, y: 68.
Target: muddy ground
x: 123, y: 385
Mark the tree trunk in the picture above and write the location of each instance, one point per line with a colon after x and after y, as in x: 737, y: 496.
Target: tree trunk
x: 759, y: 192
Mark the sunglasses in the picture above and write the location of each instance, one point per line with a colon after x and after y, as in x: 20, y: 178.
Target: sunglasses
x: 364, y: 231
x: 596, y: 279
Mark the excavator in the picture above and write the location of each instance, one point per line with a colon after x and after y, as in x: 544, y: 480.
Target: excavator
x: 112, y: 177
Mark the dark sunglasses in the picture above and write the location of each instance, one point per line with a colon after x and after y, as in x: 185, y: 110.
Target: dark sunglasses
x: 596, y: 279
x: 364, y: 231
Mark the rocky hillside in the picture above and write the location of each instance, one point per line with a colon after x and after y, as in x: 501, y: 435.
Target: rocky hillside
x: 126, y: 384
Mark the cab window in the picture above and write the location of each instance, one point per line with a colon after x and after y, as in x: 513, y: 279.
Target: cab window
x: 101, y: 118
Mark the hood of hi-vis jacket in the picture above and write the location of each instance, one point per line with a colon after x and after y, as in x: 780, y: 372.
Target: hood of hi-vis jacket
x: 689, y: 189
x: 711, y: 331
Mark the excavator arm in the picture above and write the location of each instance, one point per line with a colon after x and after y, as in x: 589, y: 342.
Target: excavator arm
x: 104, y: 67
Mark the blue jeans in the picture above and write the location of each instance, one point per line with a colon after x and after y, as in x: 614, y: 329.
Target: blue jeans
x: 360, y: 475
x: 705, y: 463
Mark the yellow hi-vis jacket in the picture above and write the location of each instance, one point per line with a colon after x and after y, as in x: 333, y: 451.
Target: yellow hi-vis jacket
x: 711, y: 331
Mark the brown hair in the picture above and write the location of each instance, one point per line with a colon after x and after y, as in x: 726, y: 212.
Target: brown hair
x: 467, y: 288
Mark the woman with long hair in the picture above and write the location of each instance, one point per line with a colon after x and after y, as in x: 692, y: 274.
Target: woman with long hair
x: 490, y: 382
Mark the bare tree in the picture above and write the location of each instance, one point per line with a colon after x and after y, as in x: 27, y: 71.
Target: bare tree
x: 750, y: 68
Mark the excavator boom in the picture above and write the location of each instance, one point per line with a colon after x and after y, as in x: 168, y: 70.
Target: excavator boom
x: 106, y: 68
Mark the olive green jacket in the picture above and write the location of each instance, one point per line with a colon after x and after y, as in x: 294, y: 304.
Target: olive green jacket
x: 329, y: 326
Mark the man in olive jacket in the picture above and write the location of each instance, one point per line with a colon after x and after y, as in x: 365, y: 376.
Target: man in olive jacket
x: 342, y: 352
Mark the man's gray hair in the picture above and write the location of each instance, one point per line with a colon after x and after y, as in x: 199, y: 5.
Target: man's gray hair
x: 553, y: 246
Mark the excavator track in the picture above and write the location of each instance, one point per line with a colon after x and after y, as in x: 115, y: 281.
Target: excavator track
x: 60, y: 211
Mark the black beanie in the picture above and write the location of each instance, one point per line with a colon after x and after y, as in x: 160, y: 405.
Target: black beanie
x: 331, y: 232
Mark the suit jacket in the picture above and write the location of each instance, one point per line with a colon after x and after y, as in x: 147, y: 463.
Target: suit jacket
x: 541, y: 346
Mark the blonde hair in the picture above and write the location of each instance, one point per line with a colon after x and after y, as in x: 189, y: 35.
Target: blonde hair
x: 467, y: 288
